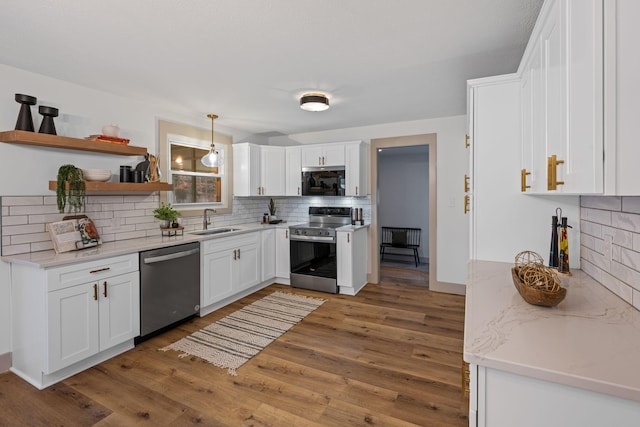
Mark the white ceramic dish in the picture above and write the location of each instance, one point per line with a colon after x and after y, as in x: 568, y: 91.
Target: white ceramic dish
x: 97, y: 174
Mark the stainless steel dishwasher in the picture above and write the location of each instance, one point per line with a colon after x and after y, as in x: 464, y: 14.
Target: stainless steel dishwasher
x: 169, y: 287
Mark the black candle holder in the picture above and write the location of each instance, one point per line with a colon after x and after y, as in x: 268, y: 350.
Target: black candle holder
x: 47, y: 125
x: 25, y: 121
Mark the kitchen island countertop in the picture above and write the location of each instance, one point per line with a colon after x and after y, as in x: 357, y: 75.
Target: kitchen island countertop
x: 591, y: 340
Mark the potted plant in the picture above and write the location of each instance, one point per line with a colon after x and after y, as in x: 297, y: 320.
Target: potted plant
x: 272, y: 210
x: 167, y: 215
x: 70, y: 188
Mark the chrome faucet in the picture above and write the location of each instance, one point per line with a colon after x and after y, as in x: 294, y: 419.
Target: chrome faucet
x: 205, y: 221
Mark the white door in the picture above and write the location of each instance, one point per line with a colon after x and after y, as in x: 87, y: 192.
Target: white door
x: 119, y: 309
x: 311, y: 156
x: 72, y: 328
x: 354, y: 185
x: 344, y: 254
x: 268, y: 251
x: 333, y: 155
x: 272, y: 167
x: 293, y: 174
x: 282, y: 253
x: 217, y: 276
x: 247, y: 269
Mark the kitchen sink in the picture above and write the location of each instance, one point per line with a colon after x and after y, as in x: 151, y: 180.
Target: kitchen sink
x: 214, y: 231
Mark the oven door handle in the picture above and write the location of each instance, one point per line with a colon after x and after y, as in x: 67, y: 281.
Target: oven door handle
x: 175, y: 255
x: 313, y: 238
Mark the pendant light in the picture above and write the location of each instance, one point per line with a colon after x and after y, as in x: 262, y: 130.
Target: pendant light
x: 211, y: 158
x: 314, y: 102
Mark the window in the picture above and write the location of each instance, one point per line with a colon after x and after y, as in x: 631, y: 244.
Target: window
x: 194, y: 183
x: 195, y: 186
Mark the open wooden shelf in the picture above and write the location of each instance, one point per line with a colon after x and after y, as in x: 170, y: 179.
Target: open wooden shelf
x: 120, y: 187
x: 56, y: 141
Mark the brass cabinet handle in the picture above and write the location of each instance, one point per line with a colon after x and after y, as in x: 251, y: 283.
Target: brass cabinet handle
x: 466, y: 141
x: 319, y: 160
x: 99, y: 270
x: 523, y: 180
x: 552, y: 172
x: 105, y: 289
x: 466, y: 204
x: 466, y: 183
x: 95, y: 291
x: 238, y: 253
x: 235, y: 255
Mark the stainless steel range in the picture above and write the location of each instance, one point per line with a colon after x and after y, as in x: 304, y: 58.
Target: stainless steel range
x: 313, y: 249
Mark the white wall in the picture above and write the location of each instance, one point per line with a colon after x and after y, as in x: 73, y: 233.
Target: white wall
x: 403, y: 191
x: 452, y: 163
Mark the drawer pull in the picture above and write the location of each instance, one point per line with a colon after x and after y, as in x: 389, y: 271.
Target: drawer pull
x: 238, y: 253
x: 99, y: 270
x: 105, y: 289
x: 95, y: 291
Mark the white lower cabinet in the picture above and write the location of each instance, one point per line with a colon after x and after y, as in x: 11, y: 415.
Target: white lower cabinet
x: 66, y: 319
x: 268, y: 253
x: 351, y: 251
x: 230, y: 265
x: 283, y: 268
x: 504, y: 399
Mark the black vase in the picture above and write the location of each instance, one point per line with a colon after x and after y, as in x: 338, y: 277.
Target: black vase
x: 25, y: 121
x: 47, y: 125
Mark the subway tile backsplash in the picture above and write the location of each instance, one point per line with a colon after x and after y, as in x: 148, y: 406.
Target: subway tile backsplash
x: 124, y: 217
x: 610, y: 243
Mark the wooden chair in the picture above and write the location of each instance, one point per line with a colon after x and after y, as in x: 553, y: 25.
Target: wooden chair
x: 401, y: 238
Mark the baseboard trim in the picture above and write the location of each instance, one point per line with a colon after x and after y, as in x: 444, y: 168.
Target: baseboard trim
x: 5, y: 362
x: 449, y: 288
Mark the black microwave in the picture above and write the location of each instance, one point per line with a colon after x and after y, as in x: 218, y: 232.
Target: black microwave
x: 323, y: 181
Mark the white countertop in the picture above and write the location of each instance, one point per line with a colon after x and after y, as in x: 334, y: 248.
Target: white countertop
x: 591, y: 340
x: 46, y: 259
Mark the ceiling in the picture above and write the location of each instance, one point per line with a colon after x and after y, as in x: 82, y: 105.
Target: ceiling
x: 248, y: 61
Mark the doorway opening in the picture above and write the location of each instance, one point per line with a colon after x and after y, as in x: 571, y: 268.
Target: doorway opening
x: 411, y: 201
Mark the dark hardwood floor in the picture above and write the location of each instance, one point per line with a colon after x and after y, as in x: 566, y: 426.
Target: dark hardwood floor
x: 389, y: 356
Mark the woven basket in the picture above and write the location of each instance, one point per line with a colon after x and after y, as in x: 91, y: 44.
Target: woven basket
x: 535, y: 296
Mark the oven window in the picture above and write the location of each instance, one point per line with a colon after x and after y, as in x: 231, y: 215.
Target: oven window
x: 314, y: 258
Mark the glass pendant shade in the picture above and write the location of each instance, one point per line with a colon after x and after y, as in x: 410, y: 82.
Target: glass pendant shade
x: 211, y: 158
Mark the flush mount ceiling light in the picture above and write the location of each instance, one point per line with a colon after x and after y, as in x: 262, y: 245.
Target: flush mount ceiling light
x: 314, y: 102
x: 211, y: 159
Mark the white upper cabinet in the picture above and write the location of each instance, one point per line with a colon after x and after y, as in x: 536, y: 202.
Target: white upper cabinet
x: 293, y: 173
x: 323, y: 155
x: 356, y: 168
x: 622, y: 91
x: 562, y: 100
x: 258, y: 170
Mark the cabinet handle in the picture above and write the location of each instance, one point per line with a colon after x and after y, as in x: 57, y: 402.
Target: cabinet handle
x: 105, y: 289
x: 238, y: 253
x: 466, y: 183
x: 319, y: 161
x: 235, y: 255
x: 356, y: 190
x: 466, y: 378
x: 286, y: 234
x: 348, y: 238
x: 552, y: 172
x: 95, y: 291
x: 466, y: 141
x: 523, y: 180
x: 298, y: 191
x: 466, y: 204
x: 322, y: 160
x: 99, y: 270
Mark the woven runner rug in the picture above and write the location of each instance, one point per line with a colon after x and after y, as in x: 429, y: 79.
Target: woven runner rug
x: 236, y: 338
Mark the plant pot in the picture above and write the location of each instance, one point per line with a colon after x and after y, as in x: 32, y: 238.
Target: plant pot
x: 165, y: 223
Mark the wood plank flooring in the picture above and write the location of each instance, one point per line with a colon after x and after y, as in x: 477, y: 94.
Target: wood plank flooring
x: 389, y: 356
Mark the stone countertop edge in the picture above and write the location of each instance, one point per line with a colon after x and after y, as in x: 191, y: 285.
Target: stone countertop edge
x: 352, y: 227
x: 591, y: 340
x: 47, y: 259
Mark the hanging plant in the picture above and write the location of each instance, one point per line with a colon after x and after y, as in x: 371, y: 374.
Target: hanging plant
x: 73, y: 196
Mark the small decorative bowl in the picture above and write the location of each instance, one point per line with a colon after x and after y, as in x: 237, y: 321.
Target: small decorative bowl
x: 111, y: 130
x: 97, y: 174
